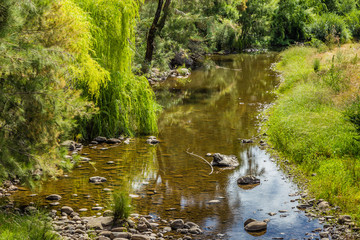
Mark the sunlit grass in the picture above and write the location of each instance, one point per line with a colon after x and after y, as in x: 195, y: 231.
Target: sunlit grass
x: 309, y: 123
x: 25, y: 227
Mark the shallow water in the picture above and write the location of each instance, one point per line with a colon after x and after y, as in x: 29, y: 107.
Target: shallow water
x: 205, y: 113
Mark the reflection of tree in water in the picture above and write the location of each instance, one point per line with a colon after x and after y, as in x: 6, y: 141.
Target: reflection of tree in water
x: 252, y: 166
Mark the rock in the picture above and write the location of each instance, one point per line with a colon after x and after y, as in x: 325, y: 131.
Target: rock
x: 142, y: 227
x: 127, y: 141
x: 250, y: 220
x: 324, y: 234
x: 97, y: 208
x: 177, y: 224
x: 246, y: 141
x: 53, y: 197
x: 115, y: 235
x: 98, y: 223
x: 152, y: 140
x: 255, y: 226
x: 248, y: 180
x: 272, y: 213
x: 344, y: 218
x: 113, y: 141
x: 85, y: 159
x: 69, y: 144
x: 191, y: 225
x: 105, y: 233
x: 195, y: 230
x: 139, y: 237
x: 100, y: 139
x: 67, y: 210
x: 97, y: 179
x: 167, y: 229
x: 323, y: 205
x: 82, y: 209
x: 108, y: 213
x: 224, y: 160
x: 54, y: 203
x: 213, y: 201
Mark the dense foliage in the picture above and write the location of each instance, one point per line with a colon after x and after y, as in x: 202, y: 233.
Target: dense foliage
x: 197, y: 27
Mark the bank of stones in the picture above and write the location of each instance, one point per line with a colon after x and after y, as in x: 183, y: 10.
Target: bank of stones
x: 69, y: 225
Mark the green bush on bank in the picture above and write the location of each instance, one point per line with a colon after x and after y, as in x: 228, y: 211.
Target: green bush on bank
x: 320, y: 136
x: 26, y: 227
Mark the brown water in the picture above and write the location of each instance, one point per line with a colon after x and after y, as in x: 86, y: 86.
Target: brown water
x: 206, y: 113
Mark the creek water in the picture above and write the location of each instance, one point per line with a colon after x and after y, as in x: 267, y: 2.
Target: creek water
x: 205, y: 113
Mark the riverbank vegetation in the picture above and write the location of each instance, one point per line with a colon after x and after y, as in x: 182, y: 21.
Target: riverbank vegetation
x: 315, y: 121
x: 26, y: 226
x: 195, y: 28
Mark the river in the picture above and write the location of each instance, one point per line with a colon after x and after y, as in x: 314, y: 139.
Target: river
x: 205, y: 113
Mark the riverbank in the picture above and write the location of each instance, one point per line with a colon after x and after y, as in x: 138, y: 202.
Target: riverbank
x: 313, y: 122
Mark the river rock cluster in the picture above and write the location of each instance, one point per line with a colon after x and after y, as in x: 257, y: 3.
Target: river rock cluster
x: 70, y: 225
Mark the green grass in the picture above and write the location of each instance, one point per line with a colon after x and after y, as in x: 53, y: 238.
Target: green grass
x: 311, y: 129
x: 120, y: 205
x: 25, y: 227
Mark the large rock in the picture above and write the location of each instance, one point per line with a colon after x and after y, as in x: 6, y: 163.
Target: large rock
x: 67, y: 210
x: 177, y: 224
x: 55, y: 197
x: 248, y: 180
x: 97, y: 179
x: 255, y: 226
x: 344, y: 218
x: 98, y: 223
x: 224, y: 160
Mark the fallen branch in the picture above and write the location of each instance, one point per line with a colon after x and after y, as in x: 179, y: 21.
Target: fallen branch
x: 195, y: 155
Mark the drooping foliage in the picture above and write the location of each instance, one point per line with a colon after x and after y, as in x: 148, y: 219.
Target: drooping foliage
x: 65, y: 67
x: 126, y: 103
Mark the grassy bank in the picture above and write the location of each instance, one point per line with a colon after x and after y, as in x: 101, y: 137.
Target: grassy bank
x: 34, y: 227
x: 315, y: 121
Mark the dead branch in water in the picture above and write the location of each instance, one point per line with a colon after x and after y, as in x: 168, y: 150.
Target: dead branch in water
x: 195, y: 155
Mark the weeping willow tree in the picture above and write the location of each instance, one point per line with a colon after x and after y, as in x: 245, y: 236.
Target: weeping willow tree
x: 126, y: 102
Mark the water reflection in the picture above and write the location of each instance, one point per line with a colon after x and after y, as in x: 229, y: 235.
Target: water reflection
x: 206, y: 113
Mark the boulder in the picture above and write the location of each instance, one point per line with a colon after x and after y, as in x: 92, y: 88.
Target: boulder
x: 67, y: 210
x: 177, y: 224
x: 224, y: 160
x: 248, y: 180
x: 255, y: 226
x: 97, y: 179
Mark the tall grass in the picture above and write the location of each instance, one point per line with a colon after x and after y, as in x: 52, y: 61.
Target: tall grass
x: 25, y: 227
x: 120, y: 205
x: 310, y: 128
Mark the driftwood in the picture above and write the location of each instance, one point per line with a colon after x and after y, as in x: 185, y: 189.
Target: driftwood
x: 195, y: 155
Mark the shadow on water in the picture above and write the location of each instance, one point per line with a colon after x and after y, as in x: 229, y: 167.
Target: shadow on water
x: 206, y: 113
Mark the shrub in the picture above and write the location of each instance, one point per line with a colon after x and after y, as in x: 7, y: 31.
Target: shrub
x: 330, y: 28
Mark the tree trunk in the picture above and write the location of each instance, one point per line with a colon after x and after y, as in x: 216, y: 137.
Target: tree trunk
x: 151, y: 37
x: 155, y: 28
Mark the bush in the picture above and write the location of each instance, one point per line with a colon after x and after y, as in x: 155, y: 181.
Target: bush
x: 330, y: 28
x: 353, y: 21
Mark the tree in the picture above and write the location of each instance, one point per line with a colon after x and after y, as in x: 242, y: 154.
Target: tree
x: 156, y: 27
